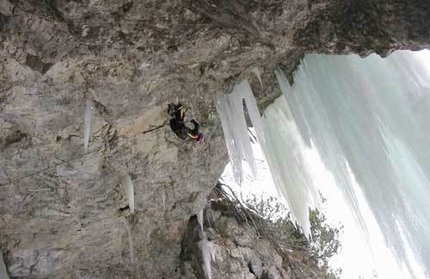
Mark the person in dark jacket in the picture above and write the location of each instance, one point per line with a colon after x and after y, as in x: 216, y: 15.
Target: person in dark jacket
x: 178, y: 124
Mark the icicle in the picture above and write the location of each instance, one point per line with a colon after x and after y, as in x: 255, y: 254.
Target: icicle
x: 130, y: 242
x: 89, y: 110
x: 284, y: 151
x: 163, y: 199
x: 215, y: 251
x: 256, y: 72
x: 230, y: 110
x: 205, y: 246
x: 241, y: 92
x: 200, y: 221
x: 226, y: 114
x: 282, y: 81
x: 291, y: 181
x: 210, y: 253
x: 253, y: 112
x: 129, y: 191
x: 3, y: 270
x: 207, y: 256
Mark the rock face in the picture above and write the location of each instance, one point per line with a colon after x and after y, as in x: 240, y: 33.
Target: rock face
x: 60, y: 205
x: 366, y: 26
x: 240, y: 244
x: 237, y: 248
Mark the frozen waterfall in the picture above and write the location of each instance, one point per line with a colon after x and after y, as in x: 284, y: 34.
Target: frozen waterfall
x: 285, y: 158
x: 369, y: 120
x: 284, y: 151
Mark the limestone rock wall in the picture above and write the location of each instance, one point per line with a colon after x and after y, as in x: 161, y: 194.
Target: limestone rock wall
x: 59, y: 205
x: 238, y: 250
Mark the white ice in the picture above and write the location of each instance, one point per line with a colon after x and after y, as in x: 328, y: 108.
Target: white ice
x: 231, y: 111
x: 129, y: 191
x: 88, y: 124
x: 256, y: 72
x: 209, y: 250
x: 284, y: 157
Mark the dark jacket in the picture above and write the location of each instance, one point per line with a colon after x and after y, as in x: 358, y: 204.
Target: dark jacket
x: 178, y: 125
x: 182, y: 131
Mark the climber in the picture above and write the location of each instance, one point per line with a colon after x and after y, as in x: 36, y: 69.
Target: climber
x: 178, y: 124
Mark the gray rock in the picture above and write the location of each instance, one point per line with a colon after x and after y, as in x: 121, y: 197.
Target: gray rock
x: 260, y: 258
x: 60, y: 206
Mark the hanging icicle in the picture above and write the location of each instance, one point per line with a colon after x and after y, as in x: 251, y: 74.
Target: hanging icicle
x: 256, y: 72
x: 163, y: 199
x: 210, y: 251
x: 130, y: 241
x: 232, y: 115
x: 129, y: 191
x: 89, y: 111
x: 3, y: 269
x: 292, y: 182
x: 284, y: 151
